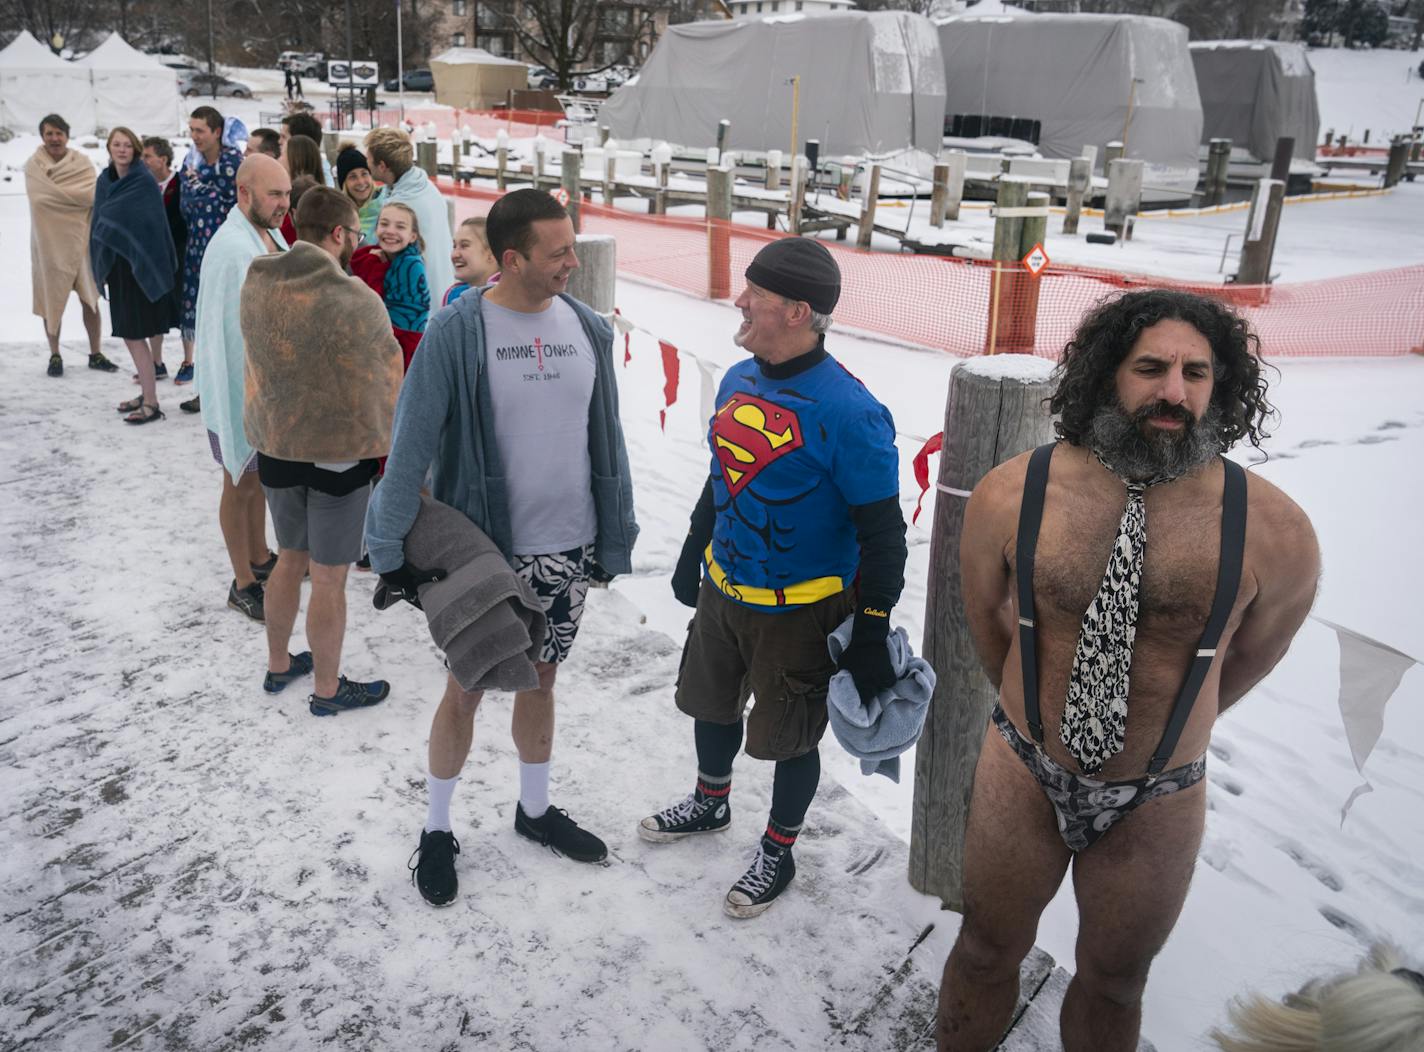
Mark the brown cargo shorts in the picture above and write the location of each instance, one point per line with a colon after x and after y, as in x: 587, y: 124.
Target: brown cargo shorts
x: 734, y: 651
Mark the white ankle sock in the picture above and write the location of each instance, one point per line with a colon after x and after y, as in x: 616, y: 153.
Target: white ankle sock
x: 534, y: 788
x: 441, y: 790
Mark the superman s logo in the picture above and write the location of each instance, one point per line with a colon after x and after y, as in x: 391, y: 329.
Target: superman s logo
x: 748, y: 433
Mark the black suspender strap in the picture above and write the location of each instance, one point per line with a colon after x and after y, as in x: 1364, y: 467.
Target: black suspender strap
x: 1228, y: 581
x: 1030, y: 516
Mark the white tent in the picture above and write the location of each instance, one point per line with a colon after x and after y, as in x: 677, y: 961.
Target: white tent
x: 34, y: 82
x: 132, y: 89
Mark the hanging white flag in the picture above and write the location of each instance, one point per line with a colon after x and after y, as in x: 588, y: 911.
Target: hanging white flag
x: 1370, y: 672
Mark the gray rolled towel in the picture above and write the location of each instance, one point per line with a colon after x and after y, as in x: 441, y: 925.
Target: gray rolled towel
x: 877, y: 733
x: 488, y: 621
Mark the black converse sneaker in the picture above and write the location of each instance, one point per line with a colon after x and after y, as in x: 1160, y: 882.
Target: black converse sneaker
x: 556, y: 830
x: 432, y: 867
x: 771, y: 870
x: 693, y: 814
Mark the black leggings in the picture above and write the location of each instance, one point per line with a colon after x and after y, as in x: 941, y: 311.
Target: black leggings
x: 794, y: 786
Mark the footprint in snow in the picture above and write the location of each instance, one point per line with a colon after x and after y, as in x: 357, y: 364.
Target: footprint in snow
x: 1312, y: 865
x: 1346, y: 923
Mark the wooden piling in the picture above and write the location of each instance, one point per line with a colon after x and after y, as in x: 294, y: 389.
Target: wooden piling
x: 1217, y: 163
x: 1124, y: 194
x: 425, y: 156
x: 610, y: 175
x: 719, y: 235
x: 1113, y: 151
x: 937, y: 195
x: 594, y: 279
x: 958, y: 161
x: 989, y: 418
x: 1280, y: 164
x: 773, y: 170
x: 570, y: 171
x: 798, y: 193
x: 1398, y: 161
x: 659, y: 205
x: 1008, y: 229
x: 1080, y: 174
x: 867, y: 208
x: 1262, y: 222
x: 501, y: 162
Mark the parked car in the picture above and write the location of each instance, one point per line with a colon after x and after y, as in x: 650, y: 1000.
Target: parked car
x: 415, y: 80
x: 304, y: 63
x: 193, y: 85
x: 181, y: 63
x: 542, y: 78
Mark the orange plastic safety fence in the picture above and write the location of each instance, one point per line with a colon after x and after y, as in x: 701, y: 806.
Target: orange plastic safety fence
x: 969, y: 307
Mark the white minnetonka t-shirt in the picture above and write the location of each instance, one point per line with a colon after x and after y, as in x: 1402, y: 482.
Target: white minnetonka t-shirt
x: 541, y: 369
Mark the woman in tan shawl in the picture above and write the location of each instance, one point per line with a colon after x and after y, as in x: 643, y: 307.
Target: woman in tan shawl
x: 60, y: 185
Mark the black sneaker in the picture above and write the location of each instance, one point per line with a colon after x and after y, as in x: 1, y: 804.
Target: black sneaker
x: 686, y: 818
x: 160, y: 371
x: 247, y: 600
x: 299, y: 665
x: 98, y: 361
x: 432, y: 867
x: 56, y: 365
x: 557, y: 831
x: 262, y: 571
x: 350, y: 695
x: 771, y: 870
x: 192, y: 405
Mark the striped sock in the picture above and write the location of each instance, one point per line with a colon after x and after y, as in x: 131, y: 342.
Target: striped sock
x: 779, y: 837
x: 710, y: 787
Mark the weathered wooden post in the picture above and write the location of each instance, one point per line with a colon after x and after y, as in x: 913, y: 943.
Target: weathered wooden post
x: 1113, y: 151
x: 594, y: 279
x: 1398, y: 162
x: 501, y: 159
x: 610, y: 172
x: 1218, y: 161
x: 773, y: 169
x: 1260, y: 242
x: 719, y: 234
x: 723, y: 127
x: 425, y: 156
x: 958, y: 161
x: 1080, y: 174
x: 661, y: 156
x: 1281, y: 162
x: 603, y: 133
x: 1008, y: 229
x: 1124, y: 194
x: 993, y: 412
x: 1329, y: 137
x: 539, y: 163
x: 867, y: 208
x: 937, y: 194
x: 330, y: 142
x: 798, y: 193
x: 1018, y: 312
x: 467, y: 141
x: 570, y: 172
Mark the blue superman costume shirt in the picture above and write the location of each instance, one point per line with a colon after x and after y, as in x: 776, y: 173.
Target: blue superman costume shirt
x: 789, y: 459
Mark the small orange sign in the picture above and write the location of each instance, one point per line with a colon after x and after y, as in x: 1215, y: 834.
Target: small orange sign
x: 562, y: 196
x: 1036, y: 260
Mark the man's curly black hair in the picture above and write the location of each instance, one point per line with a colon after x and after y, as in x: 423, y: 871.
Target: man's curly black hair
x: 1105, y: 336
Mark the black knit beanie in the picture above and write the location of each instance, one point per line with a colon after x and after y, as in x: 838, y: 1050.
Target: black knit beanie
x: 799, y: 268
x: 347, y: 161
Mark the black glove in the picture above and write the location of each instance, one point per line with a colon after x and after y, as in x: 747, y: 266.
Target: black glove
x: 404, y: 583
x: 598, y: 576
x: 867, y: 658
x: 687, y: 578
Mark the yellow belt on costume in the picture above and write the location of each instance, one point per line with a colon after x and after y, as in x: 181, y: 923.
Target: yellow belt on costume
x: 803, y: 593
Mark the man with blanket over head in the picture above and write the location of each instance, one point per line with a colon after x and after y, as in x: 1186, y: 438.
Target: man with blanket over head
x: 322, y: 374
x: 60, y: 185
x: 512, y: 401
x: 250, y: 230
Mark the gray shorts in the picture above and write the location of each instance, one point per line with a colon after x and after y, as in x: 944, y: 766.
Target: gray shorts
x: 308, y: 520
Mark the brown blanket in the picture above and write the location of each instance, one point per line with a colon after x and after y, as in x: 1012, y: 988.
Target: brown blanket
x: 61, y: 196
x: 323, y: 367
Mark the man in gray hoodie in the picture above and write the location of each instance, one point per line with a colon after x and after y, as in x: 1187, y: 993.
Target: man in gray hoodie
x: 511, y: 402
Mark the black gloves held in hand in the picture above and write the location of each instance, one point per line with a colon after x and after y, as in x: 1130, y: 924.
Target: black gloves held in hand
x: 867, y: 658
x: 687, y: 578
x: 598, y: 576
x: 404, y: 583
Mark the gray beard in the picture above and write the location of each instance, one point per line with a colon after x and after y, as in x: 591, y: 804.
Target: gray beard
x: 1118, y: 438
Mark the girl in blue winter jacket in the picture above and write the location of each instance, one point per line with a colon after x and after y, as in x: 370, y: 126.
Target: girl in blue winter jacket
x: 393, y: 266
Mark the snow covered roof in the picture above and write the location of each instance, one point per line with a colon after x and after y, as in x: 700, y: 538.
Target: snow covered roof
x: 474, y: 56
x: 115, y: 53
x: 25, y: 52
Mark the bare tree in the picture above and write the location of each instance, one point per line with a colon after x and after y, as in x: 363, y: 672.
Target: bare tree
x: 564, y: 35
x: 73, y: 21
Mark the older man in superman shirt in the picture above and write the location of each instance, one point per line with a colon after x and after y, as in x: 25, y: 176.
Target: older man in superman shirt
x: 798, y: 525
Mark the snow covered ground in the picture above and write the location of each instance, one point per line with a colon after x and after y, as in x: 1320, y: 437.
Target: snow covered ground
x: 191, y: 863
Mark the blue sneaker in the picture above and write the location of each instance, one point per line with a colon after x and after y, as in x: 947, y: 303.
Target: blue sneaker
x: 350, y: 695
x: 184, y: 374
x: 276, y: 682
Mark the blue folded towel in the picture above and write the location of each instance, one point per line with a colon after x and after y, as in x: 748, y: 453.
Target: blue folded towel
x: 879, y: 732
